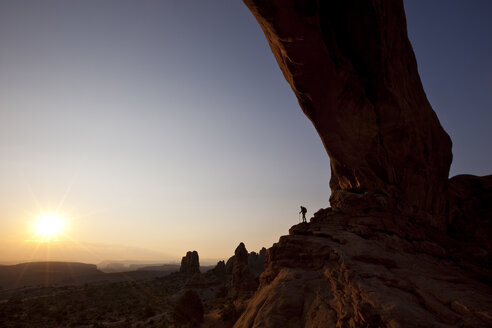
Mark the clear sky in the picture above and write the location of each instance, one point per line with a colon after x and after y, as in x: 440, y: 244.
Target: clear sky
x: 157, y: 127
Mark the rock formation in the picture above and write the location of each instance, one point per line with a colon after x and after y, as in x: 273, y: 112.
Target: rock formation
x: 341, y: 271
x: 213, y: 277
x: 190, y: 263
x: 401, y: 245
x: 256, y: 262
x: 243, y: 281
x: 219, y: 271
x: 239, y: 277
x: 354, y: 73
x: 470, y: 222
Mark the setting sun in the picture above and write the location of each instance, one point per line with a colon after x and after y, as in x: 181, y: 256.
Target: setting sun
x: 48, y: 226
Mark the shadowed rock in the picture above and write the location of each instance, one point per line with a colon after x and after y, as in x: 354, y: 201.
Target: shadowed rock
x: 219, y: 270
x: 470, y: 222
x: 341, y: 271
x: 256, y: 262
x: 213, y: 277
x: 354, y: 73
x: 190, y: 263
x: 243, y: 281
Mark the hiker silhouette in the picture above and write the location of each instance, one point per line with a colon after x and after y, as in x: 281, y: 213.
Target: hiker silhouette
x: 303, y: 211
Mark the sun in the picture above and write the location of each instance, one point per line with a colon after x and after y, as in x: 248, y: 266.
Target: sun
x: 48, y: 226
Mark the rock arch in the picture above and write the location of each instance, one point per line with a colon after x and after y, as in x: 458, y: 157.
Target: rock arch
x: 354, y: 73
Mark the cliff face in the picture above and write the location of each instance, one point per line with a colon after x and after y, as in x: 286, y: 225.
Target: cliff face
x: 354, y: 73
x: 401, y: 245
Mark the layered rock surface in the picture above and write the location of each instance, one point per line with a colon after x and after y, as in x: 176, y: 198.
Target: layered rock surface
x: 345, y: 271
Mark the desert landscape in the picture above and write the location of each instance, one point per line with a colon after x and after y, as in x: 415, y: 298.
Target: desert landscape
x: 401, y: 244
x: 80, y: 295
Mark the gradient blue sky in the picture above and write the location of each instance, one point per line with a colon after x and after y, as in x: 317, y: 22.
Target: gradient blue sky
x: 157, y: 127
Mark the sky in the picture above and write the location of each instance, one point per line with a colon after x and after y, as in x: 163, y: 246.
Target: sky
x: 158, y: 127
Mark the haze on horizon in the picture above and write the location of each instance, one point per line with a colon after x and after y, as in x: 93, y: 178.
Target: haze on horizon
x: 159, y: 127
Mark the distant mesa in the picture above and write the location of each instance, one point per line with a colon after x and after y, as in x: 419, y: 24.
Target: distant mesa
x: 48, y: 273
x: 52, y: 273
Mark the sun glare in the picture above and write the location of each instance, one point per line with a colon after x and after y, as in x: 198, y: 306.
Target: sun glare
x: 48, y: 226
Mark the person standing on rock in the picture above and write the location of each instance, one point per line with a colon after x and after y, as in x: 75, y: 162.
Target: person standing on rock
x: 303, y: 211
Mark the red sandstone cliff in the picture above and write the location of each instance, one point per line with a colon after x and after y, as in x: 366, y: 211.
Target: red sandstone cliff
x: 401, y: 246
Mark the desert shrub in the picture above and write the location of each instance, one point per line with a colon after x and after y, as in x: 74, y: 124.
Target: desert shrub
x: 229, y: 312
x: 188, y: 310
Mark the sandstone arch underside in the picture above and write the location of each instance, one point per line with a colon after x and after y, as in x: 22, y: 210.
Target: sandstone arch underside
x: 354, y: 73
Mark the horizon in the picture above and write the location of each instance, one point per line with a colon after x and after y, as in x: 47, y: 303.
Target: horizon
x: 125, y: 263
x: 154, y: 129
